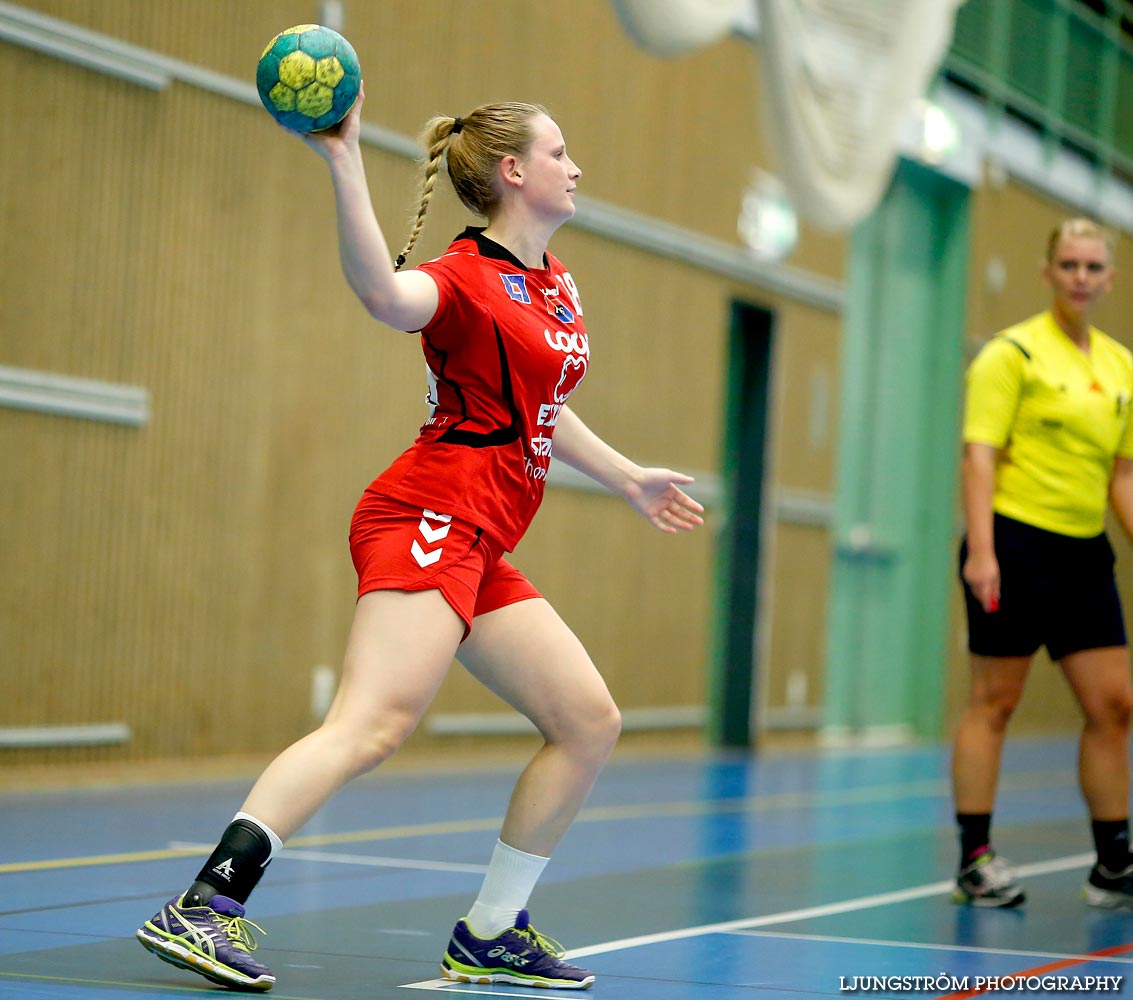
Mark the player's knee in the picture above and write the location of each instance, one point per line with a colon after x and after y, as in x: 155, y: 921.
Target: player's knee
x: 598, y: 730
x: 1121, y: 709
x: 1113, y: 714
x: 611, y: 724
x: 996, y: 712
x: 368, y: 748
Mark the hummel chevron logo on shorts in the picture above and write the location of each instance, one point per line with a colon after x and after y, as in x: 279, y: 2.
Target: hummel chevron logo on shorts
x: 431, y: 535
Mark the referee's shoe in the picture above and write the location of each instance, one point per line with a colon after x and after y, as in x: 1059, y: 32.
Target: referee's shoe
x: 987, y: 880
x: 1109, y: 890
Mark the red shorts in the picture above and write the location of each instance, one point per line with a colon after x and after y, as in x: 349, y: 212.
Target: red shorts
x: 397, y: 546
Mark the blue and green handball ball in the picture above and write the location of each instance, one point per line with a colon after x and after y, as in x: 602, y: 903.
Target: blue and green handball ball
x: 308, y: 77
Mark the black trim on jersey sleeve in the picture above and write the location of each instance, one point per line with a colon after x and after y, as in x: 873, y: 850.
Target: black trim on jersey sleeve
x: 483, y: 439
x: 1022, y: 349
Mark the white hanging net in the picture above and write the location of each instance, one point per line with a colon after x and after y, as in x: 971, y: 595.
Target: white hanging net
x: 839, y: 78
x: 674, y: 27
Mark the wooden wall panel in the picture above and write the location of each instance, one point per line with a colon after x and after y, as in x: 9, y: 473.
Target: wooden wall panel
x: 794, y: 649
x: 186, y: 576
x: 683, y: 132
x: 637, y: 599
x: 806, y: 398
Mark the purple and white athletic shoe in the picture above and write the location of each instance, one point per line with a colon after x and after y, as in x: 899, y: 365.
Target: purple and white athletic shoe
x: 215, y: 941
x: 520, y: 956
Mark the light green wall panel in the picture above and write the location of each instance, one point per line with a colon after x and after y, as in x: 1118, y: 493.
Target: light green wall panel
x: 898, y: 460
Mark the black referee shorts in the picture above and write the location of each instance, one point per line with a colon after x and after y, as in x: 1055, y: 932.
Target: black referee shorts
x: 1055, y: 591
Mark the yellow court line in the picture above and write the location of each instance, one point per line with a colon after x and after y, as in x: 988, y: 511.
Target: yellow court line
x: 783, y: 800
x: 314, y: 840
x: 50, y: 864
x: 195, y: 990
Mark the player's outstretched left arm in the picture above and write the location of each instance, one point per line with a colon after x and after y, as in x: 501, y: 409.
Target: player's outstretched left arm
x: 654, y: 493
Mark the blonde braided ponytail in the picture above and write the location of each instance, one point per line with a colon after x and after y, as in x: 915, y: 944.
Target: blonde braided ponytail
x: 487, y: 135
x: 438, y: 133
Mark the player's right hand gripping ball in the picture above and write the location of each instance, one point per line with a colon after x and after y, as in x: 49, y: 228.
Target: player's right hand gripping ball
x: 308, y: 77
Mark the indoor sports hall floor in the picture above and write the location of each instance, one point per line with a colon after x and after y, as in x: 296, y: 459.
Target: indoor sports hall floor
x: 781, y: 876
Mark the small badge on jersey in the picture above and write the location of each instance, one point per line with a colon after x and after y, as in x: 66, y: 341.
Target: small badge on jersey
x: 516, y: 287
x: 555, y: 305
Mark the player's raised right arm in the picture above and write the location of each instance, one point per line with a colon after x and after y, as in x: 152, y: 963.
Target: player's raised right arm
x: 405, y: 301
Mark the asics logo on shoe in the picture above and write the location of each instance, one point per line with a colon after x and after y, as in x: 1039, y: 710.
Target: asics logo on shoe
x: 225, y: 870
x: 508, y: 957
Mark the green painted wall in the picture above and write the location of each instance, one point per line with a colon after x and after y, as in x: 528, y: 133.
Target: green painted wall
x: 897, y: 460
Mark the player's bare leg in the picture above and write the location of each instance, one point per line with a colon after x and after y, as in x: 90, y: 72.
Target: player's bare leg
x: 400, y: 648
x: 1100, y: 681
x: 997, y: 683
x: 527, y: 655
x: 996, y: 687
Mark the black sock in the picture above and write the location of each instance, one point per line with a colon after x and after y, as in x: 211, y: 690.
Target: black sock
x: 235, y: 867
x: 975, y: 834
x: 1111, y: 838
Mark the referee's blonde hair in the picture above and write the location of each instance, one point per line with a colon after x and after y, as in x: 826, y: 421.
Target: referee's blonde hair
x: 473, y: 151
x: 1079, y: 227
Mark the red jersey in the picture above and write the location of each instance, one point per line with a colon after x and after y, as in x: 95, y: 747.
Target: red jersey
x: 505, y: 350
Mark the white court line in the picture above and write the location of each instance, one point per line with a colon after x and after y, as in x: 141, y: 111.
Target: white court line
x: 371, y: 860
x: 826, y: 910
x: 440, y: 984
x: 379, y: 862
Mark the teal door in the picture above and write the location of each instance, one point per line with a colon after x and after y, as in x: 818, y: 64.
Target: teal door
x: 897, y: 462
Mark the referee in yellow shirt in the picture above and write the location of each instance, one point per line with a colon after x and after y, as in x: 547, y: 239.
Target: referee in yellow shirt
x: 1048, y: 440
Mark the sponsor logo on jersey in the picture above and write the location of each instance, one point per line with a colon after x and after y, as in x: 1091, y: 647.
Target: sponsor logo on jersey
x: 516, y: 287
x: 574, y: 371
x: 568, y: 341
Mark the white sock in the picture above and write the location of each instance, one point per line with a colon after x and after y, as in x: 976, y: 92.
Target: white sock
x: 276, y: 843
x: 512, y: 875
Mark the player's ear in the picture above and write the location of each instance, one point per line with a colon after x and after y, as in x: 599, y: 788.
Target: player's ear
x: 510, y: 171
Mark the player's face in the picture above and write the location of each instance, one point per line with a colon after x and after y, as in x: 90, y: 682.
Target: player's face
x: 1079, y: 275
x: 549, y: 175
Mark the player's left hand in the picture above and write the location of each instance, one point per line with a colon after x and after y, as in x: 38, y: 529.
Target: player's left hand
x: 657, y: 497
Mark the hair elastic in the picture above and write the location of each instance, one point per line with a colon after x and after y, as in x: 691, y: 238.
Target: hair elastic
x: 457, y: 126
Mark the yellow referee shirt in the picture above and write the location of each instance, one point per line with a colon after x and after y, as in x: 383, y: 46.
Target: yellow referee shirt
x: 1059, y: 417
